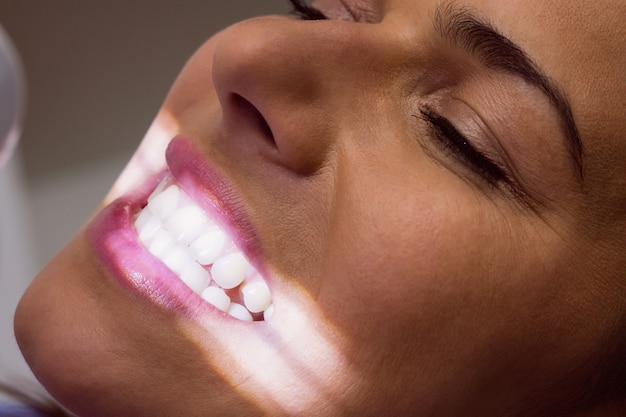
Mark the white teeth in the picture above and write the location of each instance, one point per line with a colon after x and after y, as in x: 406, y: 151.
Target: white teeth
x: 206, y: 248
x: 217, y: 297
x: 196, y: 277
x: 147, y: 224
x: 268, y: 313
x: 239, y: 312
x: 162, y: 185
x: 161, y: 242
x: 177, y: 259
x: 256, y: 296
x: 144, y: 218
x: 186, y: 223
x: 162, y: 205
x: 176, y: 231
x: 230, y: 270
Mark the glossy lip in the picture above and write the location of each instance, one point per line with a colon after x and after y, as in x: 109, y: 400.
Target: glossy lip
x: 114, y: 239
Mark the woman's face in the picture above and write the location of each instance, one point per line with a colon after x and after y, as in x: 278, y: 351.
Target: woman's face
x: 433, y: 195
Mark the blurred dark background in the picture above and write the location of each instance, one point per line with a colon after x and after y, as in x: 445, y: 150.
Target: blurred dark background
x: 97, y: 71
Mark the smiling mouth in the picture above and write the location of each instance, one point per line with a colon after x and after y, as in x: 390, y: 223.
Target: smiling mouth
x: 201, y: 253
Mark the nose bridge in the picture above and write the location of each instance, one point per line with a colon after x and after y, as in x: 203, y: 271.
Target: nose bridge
x: 295, y: 74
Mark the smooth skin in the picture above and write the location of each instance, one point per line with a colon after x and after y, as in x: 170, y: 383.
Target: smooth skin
x: 409, y: 278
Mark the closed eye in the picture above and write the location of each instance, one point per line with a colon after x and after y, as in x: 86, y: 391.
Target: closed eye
x: 453, y: 142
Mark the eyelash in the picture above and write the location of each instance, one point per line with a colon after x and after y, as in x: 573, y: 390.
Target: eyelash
x: 306, y: 12
x: 453, y: 142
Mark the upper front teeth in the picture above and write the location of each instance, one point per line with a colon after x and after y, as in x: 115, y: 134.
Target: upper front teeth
x: 207, y: 247
x: 186, y: 224
x: 183, y: 237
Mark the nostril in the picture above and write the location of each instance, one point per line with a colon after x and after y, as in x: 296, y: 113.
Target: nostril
x: 253, y: 116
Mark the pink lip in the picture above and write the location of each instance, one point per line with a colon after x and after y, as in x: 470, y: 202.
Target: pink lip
x: 114, y: 239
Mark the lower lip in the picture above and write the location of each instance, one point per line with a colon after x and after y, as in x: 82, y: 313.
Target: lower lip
x: 114, y: 241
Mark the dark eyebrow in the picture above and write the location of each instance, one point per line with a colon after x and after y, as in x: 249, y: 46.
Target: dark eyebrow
x: 460, y: 27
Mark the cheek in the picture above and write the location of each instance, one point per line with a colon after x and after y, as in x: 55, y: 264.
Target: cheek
x: 399, y: 257
x: 440, y: 260
x: 436, y: 283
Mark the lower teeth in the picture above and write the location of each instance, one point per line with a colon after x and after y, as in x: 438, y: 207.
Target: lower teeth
x: 177, y: 232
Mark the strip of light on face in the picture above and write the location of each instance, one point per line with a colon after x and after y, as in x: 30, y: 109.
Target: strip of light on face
x: 294, y: 369
x: 149, y: 158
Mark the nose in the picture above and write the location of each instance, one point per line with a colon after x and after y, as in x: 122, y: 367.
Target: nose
x: 295, y: 80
